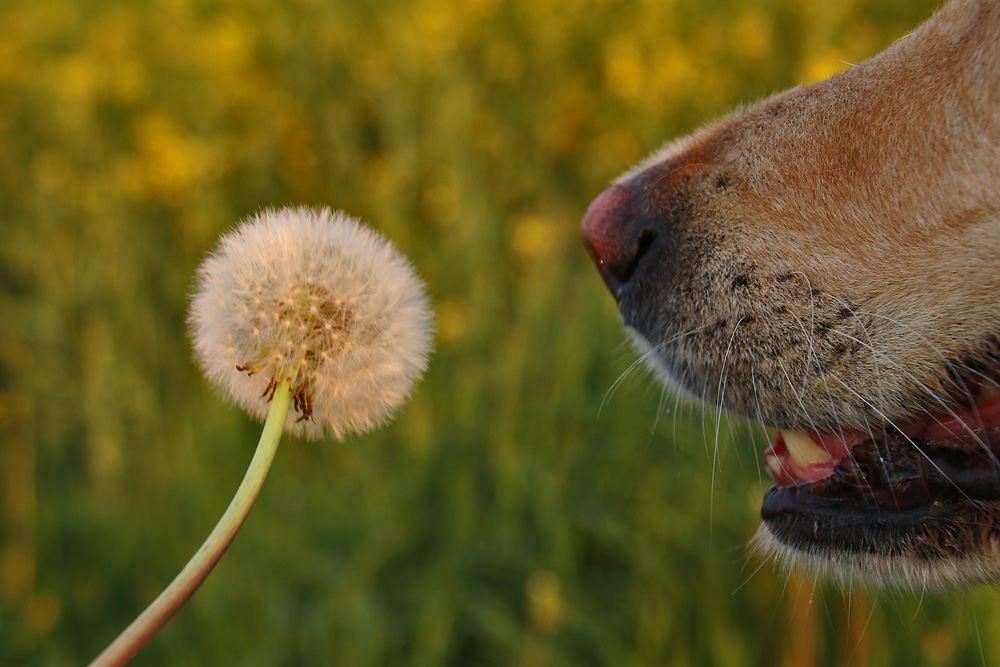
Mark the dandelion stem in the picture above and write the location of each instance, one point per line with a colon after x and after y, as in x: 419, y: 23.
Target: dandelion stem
x: 143, y: 628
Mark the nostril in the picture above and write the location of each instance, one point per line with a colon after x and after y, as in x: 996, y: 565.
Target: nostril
x: 642, y: 246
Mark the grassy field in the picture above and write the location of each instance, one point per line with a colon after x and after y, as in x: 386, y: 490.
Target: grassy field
x: 524, y: 509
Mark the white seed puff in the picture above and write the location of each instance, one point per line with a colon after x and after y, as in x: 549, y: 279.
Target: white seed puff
x: 314, y: 295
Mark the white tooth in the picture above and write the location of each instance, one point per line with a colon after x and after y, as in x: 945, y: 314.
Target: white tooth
x: 773, y: 466
x: 803, y: 449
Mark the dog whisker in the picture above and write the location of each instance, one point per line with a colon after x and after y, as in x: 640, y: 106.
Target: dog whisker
x: 945, y: 407
x: 909, y: 440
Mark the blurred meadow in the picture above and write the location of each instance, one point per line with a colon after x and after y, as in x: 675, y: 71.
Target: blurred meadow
x: 526, y: 508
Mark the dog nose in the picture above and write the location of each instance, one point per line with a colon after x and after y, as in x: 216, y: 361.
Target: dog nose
x: 616, y: 236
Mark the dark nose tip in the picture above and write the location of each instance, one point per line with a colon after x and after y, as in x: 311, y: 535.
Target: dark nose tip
x: 616, y: 236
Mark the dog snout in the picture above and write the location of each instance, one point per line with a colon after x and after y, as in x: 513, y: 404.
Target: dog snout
x: 616, y: 236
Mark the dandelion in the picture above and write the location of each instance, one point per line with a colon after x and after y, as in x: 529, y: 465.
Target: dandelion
x: 314, y: 296
x: 312, y: 322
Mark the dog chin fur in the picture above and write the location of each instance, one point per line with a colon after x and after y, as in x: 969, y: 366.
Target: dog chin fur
x: 874, y: 571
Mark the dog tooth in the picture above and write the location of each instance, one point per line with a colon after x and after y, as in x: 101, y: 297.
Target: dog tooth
x: 774, y: 469
x: 803, y: 449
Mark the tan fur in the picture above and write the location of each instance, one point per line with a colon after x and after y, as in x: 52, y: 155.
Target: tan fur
x: 881, y: 179
x: 834, y: 251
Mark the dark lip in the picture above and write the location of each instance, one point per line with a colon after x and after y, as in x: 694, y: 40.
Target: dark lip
x: 830, y: 526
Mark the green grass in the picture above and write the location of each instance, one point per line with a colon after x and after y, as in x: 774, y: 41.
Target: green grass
x: 519, y: 512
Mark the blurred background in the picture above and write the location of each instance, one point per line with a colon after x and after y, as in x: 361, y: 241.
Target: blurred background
x: 539, y: 501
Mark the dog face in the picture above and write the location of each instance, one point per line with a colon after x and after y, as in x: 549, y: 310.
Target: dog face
x: 828, y: 262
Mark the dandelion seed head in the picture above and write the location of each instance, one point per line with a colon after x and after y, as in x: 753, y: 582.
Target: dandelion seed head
x: 314, y: 295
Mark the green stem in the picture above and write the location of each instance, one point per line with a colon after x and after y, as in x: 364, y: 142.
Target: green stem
x: 143, y: 628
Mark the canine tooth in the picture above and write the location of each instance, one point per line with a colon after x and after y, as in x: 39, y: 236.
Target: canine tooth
x: 774, y: 469
x: 803, y: 449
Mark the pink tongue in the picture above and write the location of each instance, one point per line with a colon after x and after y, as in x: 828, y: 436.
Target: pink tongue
x: 786, y: 471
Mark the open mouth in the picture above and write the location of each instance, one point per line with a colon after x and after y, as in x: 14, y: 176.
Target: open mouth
x: 923, y: 489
